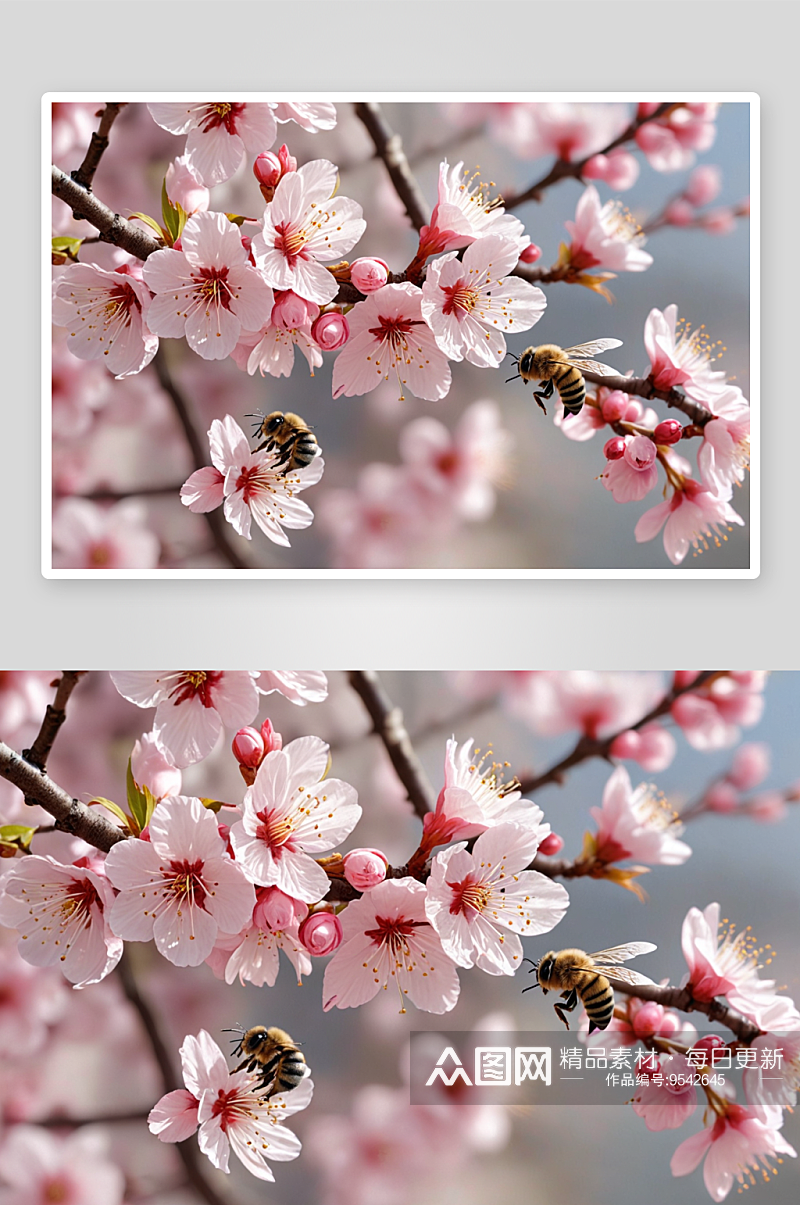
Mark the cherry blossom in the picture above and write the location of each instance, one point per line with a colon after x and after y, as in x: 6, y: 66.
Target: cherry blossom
x: 595, y: 702
x: 251, y: 485
x: 774, y: 1078
x: 191, y: 705
x: 32, y: 999
x: 471, y: 303
x: 680, y: 356
x: 207, y: 292
x: 299, y: 686
x: 304, y: 226
x: 364, y: 868
x: 605, y: 235
x: 726, y: 965
x: 388, y: 335
x: 377, y: 524
x: 271, y: 350
x: 637, y: 824
x: 219, y: 135
x: 184, y: 188
x: 691, y: 517
x: 388, y: 939
x: 475, y: 898
x: 631, y: 476
x: 180, y: 888
x: 232, y: 1115
x: 311, y: 115
x: 38, y: 1167
x: 724, y: 455
x: 568, y: 130
x: 107, y: 316
x: 670, y: 142
x: 152, y: 767
x: 291, y: 813
x: 666, y: 1106
x: 464, y: 212
x: 321, y: 933
x: 739, y: 1139
x: 253, y: 955
x: 711, y: 715
x: 652, y: 746
x: 62, y: 916
x: 89, y: 536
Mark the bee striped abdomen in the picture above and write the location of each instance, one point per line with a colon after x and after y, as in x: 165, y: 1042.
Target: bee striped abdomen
x: 571, y: 388
x: 598, y: 1000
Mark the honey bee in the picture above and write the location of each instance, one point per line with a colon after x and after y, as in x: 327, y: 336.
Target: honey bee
x: 559, y: 368
x: 577, y: 974
x: 272, y: 1053
x: 290, y: 436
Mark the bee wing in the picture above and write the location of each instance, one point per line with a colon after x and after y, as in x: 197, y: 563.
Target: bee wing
x: 591, y: 349
x: 622, y: 974
x: 622, y: 953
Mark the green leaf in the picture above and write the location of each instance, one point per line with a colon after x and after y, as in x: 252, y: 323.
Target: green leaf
x: 213, y: 805
x: 16, y: 834
x: 137, y: 800
x: 239, y: 219
x: 151, y: 222
x: 174, y: 215
x: 116, y: 810
x: 64, y: 243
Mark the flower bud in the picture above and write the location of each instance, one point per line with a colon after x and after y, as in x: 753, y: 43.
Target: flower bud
x: 768, y: 807
x: 679, y: 213
x: 646, y: 108
x: 248, y: 748
x: 704, y: 185
x: 614, y: 448
x: 614, y: 406
x: 364, y: 868
x: 531, y: 254
x: 330, y: 330
x: 276, y: 910
x: 321, y: 933
x: 626, y: 746
x: 668, y: 432
x: 292, y: 312
x: 750, y: 766
x: 648, y: 1019
x: 267, y: 169
x: 721, y: 797
x: 152, y: 768
x: 272, y: 739
x: 719, y: 221
x: 640, y: 452
x: 369, y: 274
x: 551, y: 845
x: 712, y: 1041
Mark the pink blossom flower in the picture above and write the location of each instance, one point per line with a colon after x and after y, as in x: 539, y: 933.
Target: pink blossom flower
x: 310, y: 115
x: 605, y: 234
x: 218, y: 134
x: 107, y: 317
x: 291, y: 311
x: 682, y: 357
x: 304, y: 226
x: 458, y: 470
x: 710, y: 716
x: 369, y: 274
x: 691, y: 517
x: 32, y: 999
x: 637, y: 824
x: 666, y: 1106
x: 652, y: 746
x: 631, y: 476
x: 252, y: 485
x: 619, y: 170
x: 62, y: 916
x: 290, y: 814
x: 269, y: 168
x: 388, y: 334
x: 478, y: 902
x: 768, y: 807
x: 380, y: 523
x: 388, y: 938
x: 569, y: 130
x: 191, y: 705
x: 464, y: 212
x: 321, y: 933
x: 727, y: 965
x: 364, y: 868
x: 253, y: 956
x: 670, y: 142
x: 750, y: 766
x: 738, y: 1140
x: 152, y: 767
x: 299, y: 686
x: 38, y: 1167
x: 724, y: 455
x: 89, y: 536
x: 180, y: 888
x: 469, y: 304
x: 231, y: 1113
x: 184, y: 187
x: 595, y: 702
x: 79, y: 390
x: 774, y: 1078
x: 704, y: 185
x: 271, y: 350
x: 207, y: 291
x: 24, y: 695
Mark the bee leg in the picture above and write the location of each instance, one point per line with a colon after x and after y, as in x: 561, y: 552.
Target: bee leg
x: 570, y: 1004
x: 539, y: 402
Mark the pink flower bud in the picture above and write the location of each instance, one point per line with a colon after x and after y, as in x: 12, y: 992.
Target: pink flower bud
x: 551, y: 845
x: 722, y: 797
x: 651, y: 137
x: 712, y: 1041
x: 633, y: 411
x: 640, y: 452
x: 248, y: 748
x: 619, y: 170
x: 272, y: 739
x: 330, y: 330
x: 670, y: 1024
x: 719, y: 221
x: 679, y: 213
x: 668, y: 432
x: 768, y: 807
x: 275, y: 910
x: 531, y: 254
x: 321, y: 933
x: 614, y: 406
x: 704, y: 185
x: 288, y: 162
x: 364, y: 868
x: 646, y: 108
x: 368, y: 274
x: 152, y: 768
x: 292, y: 312
x: 267, y: 169
x: 627, y: 745
x: 648, y: 1019
x: 184, y: 188
x: 596, y: 167
x: 750, y: 766
x: 614, y: 448
x: 657, y: 748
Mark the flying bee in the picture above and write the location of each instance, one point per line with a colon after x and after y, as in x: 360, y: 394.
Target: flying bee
x: 577, y: 974
x: 272, y: 1053
x: 560, y: 368
x: 290, y: 436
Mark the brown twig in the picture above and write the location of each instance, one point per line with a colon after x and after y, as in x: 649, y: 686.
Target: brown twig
x: 562, y: 169
x: 644, y: 387
x: 681, y: 998
x: 387, y: 721
x: 54, y: 717
x: 145, y: 491
x: 71, y: 816
x: 188, y: 1150
x: 134, y: 239
x: 389, y: 148
x: 100, y: 1119
x: 587, y: 747
x: 98, y: 144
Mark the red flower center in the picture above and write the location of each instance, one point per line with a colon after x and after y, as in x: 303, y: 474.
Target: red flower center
x: 276, y: 831
x: 394, y: 330
x: 469, y: 896
x: 196, y: 684
x: 290, y: 241
x: 212, y: 287
x: 393, y: 931
x: 187, y: 883
x: 226, y: 115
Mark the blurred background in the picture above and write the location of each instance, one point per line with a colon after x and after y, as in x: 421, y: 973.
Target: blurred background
x: 362, y: 1143
x: 550, y: 510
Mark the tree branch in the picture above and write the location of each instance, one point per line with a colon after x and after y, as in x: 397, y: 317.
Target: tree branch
x: 134, y: 239
x: 644, y: 387
x: 388, y: 724
x: 98, y: 144
x: 71, y: 816
x: 681, y: 998
x: 587, y: 747
x: 54, y: 717
x: 389, y: 148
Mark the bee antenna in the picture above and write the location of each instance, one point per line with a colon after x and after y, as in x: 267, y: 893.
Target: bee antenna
x: 516, y: 377
x: 535, y: 965
x: 513, y: 357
